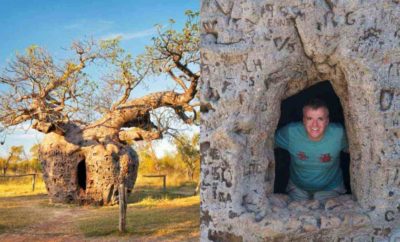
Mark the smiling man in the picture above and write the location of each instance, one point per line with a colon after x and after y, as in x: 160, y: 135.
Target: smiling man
x: 314, y: 148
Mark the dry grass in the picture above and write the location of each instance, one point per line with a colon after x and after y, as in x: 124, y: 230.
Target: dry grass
x: 150, y: 218
x: 21, y: 211
x: 152, y: 215
x: 20, y: 186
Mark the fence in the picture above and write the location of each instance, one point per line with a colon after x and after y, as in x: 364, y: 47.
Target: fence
x: 164, y: 177
x: 22, y: 175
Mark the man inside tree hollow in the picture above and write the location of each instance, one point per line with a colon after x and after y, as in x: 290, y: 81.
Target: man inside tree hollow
x: 314, y: 147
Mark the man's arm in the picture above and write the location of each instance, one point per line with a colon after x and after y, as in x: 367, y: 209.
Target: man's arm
x: 282, y: 138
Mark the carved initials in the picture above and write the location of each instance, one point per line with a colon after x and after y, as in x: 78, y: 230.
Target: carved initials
x: 279, y: 44
x: 349, y: 21
x: 386, y: 99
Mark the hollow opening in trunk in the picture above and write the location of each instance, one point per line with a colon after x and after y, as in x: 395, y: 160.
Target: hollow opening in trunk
x: 82, y: 174
x: 292, y: 111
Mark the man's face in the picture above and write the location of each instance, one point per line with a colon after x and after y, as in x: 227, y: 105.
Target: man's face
x: 315, y: 122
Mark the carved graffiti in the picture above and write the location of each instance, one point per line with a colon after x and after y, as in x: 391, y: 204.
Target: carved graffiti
x: 210, y: 27
x: 392, y: 119
x: 397, y: 33
x: 214, y: 173
x: 253, y: 65
x: 278, y: 22
x: 371, y: 33
x: 224, y: 197
x: 329, y: 17
x: 267, y: 9
x: 396, y: 122
x: 349, y: 19
x: 382, y: 232
x: 257, y: 64
x: 252, y: 168
x: 222, y: 174
x: 251, y: 81
x: 214, y: 189
x: 268, y: 35
x: 292, y: 11
x: 204, y: 182
x: 224, y: 6
x: 280, y: 43
x: 220, y: 196
x: 386, y: 99
x: 376, y: 235
x: 393, y: 178
x: 215, y: 154
x: 389, y: 215
x: 394, y: 70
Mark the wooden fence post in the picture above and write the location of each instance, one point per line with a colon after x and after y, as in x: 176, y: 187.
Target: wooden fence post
x: 33, y: 182
x: 165, y: 183
x: 122, y: 208
x: 164, y: 177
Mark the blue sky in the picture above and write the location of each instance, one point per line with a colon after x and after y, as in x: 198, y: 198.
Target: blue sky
x: 54, y: 25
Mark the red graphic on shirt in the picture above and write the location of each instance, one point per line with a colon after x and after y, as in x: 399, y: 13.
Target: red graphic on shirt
x: 325, y: 158
x: 302, y: 156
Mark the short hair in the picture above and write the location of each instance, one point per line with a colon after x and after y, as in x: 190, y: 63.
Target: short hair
x: 315, y: 103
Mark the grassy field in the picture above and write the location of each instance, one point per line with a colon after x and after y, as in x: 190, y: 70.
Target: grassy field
x: 152, y: 215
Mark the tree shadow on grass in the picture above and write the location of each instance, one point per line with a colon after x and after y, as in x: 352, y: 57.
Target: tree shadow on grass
x: 3, y: 229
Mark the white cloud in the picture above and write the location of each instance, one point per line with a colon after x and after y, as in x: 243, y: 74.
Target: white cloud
x: 89, y: 25
x: 132, y: 35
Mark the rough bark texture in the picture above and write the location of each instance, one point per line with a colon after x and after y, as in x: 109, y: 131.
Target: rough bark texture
x: 107, y: 164
x: 256, y: 53
x: 106, y: 160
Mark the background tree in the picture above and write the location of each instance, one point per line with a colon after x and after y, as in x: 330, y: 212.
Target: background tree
x: 89, y: 120
x: 13, y: 156
x: 34, y: 163
x: 189, y: 153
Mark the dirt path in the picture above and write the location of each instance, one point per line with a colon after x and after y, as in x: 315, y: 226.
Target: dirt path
x: 53, y: 224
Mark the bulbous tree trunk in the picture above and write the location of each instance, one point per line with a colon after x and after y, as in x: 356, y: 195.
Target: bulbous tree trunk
x: 79, y: 169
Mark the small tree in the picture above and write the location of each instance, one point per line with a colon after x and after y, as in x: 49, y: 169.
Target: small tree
x: 13, y: 156
x: 189, y: 153
x: 34, y: 163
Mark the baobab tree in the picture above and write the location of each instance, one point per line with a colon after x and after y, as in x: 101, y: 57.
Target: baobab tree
x: 89, y: 120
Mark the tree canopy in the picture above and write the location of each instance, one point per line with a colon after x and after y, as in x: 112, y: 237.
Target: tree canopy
x: 57, y: 95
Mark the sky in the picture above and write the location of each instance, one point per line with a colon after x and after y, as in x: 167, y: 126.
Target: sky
x: 54, y: 25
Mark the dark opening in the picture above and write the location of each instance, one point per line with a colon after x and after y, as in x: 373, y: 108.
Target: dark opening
x: 82, y: 174
x: 291, y: 111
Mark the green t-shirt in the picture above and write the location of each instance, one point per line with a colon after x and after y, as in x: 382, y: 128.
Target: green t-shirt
x: 314, y: 165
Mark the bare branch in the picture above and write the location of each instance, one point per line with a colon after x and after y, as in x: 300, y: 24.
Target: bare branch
x: 177, y: 80
x: 139, y: 134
